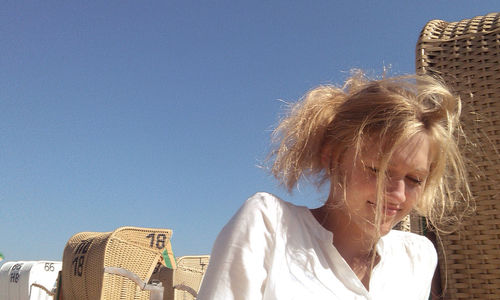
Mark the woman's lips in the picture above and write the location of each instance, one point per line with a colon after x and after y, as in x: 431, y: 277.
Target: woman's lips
x: 389, y: 210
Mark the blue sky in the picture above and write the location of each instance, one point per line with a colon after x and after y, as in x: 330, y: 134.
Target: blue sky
x: 158, y: 113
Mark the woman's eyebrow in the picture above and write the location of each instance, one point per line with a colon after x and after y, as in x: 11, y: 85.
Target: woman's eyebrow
x: 421, y: 171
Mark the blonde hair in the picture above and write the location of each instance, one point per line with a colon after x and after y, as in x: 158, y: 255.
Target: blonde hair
x: 392, y: 110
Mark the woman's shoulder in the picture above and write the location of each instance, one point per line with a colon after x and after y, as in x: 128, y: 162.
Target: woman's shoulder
x: 267, y: 208
x: 417, y: 247
x: 408, y: 238
x: 263, y: 198
x: 266, y: 202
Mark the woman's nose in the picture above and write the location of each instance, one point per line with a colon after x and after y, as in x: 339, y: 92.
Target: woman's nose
x: 395, y: 190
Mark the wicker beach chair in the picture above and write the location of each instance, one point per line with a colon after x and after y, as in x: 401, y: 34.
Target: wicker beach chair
x: 184, y: 282
x: 29, y: 280
x: 113, y: 265
x: 466, y: 54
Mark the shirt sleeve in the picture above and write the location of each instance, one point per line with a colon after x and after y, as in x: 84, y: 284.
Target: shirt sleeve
x: 425, y: 259
x: 240, y: 258
x: 432, y: 264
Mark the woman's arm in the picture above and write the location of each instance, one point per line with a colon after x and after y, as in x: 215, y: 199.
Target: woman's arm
x: 240, y: 258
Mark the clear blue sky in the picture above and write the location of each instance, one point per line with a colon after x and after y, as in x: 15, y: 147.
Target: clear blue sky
x: 157, y: 113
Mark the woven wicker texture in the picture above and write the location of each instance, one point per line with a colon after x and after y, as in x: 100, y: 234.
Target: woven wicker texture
x: 466, y: 55
x: 184, y: 282
x: 189, y: 273
x: 86, y: 254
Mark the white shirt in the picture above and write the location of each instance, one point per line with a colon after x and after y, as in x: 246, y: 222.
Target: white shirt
x: 272, y: 249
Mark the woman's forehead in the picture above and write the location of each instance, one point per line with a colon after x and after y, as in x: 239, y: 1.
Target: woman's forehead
x: 415, y: 152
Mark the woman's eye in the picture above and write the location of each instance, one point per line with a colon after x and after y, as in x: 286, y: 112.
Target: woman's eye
x: 414, y: 180
x: 372, y: 169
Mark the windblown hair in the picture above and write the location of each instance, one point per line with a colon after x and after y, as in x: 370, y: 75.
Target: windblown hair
x: 391, y: 111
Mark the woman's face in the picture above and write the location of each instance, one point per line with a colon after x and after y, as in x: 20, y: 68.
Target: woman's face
x: 407, y: 172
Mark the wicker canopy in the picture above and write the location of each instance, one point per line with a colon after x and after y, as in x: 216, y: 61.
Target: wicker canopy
x: 113, y: 265
x: 466, y: 55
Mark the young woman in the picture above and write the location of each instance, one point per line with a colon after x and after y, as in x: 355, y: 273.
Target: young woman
x: 386, y: 148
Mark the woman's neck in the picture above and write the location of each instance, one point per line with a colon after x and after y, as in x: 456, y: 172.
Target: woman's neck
x: 348, y: 236
x: 354, y: 244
